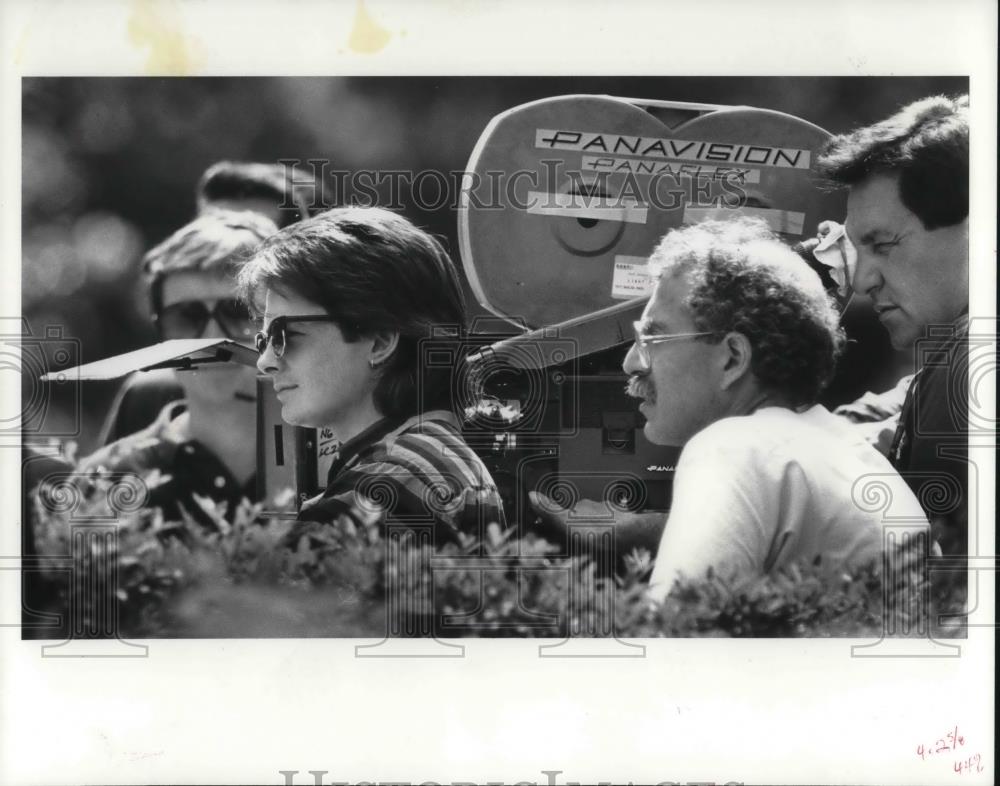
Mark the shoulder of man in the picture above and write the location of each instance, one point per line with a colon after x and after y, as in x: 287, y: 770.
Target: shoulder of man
x: 767, y: 443
x: 875, y: 407
x: 746, y: 435
x: 432, y: 469
x: 941, y: 390
x: 434, y: 442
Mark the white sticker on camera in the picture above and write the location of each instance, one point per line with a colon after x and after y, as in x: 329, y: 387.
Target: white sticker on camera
x: 598, y: 207
x: 631, y: 278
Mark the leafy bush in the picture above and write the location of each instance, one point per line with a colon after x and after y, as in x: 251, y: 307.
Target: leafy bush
x: 276, y: 577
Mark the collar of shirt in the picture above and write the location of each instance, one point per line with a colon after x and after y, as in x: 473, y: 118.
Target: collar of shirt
x: 384, y: 429
x: 200, y: 471
x: 194, y: 467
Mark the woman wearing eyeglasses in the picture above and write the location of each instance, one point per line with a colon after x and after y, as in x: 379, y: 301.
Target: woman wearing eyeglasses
x: 346, y: 298
x: 204, y: 443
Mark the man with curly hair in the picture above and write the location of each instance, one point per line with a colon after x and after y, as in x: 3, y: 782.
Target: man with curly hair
x: 730, y: 356
x: 908, y: 217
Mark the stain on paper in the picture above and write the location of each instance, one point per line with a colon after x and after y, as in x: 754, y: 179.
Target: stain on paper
x: 367, y: 36
x: 22, y: 42
x: 156, y: 25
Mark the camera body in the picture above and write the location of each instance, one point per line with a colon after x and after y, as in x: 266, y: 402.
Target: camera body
x: 564, y: 199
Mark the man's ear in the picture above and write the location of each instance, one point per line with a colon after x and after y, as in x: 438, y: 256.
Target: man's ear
x: 736, y: 357
x: 383, y: 345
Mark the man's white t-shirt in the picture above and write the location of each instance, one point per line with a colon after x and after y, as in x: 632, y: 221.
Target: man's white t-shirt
x: 755, y: 493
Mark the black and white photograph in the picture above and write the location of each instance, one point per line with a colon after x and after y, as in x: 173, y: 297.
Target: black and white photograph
x: 396, y: 394
x: 524, y: 447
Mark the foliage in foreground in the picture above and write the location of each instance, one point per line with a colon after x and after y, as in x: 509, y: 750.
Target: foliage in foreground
x: 259, y: 577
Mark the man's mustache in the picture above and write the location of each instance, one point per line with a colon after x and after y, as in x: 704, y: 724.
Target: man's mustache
x: 641, y: 387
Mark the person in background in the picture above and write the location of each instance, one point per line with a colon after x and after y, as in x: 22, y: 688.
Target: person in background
x: 732, y: 352
x: 347, y: 297
x: 199, y: 444
x: 907, y: 217
x: 272, y: 190
x: 832, y: 256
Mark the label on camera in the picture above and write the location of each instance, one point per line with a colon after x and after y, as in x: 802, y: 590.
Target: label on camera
x: 631, y: 278
x: 675, y: 149
x: 672, y: 169
x: 597, y: 207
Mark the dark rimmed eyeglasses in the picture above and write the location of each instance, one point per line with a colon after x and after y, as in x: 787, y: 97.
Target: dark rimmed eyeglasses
x: 643, y: 341
x: 275, y: 332
x: 189, y: 318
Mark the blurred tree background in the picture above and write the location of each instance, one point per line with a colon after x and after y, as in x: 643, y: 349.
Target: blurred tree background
x: 109, y: 166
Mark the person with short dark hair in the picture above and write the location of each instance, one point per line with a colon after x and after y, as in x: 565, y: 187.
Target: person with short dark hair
x: 200, y: 444
x: 274, y: 190
x: 732, y: 352
x: 267, y: 189
x: 907, y: 216
x: 347, y: 297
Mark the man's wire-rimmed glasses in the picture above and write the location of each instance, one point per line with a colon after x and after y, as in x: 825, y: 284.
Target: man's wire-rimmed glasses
x: 643, y: 341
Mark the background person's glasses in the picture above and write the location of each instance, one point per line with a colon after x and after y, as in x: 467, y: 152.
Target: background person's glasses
x: 643, y: 342
x: 275, y: 333
x: 189, y: 318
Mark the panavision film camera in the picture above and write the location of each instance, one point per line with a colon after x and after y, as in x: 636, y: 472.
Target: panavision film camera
x: 563, y: 201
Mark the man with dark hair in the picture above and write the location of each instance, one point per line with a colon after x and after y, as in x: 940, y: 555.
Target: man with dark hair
x: 907, y: 217
x: 267, y: 189
x: 732, y: 352
x: 348, y: 299
x: 274, y: 190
